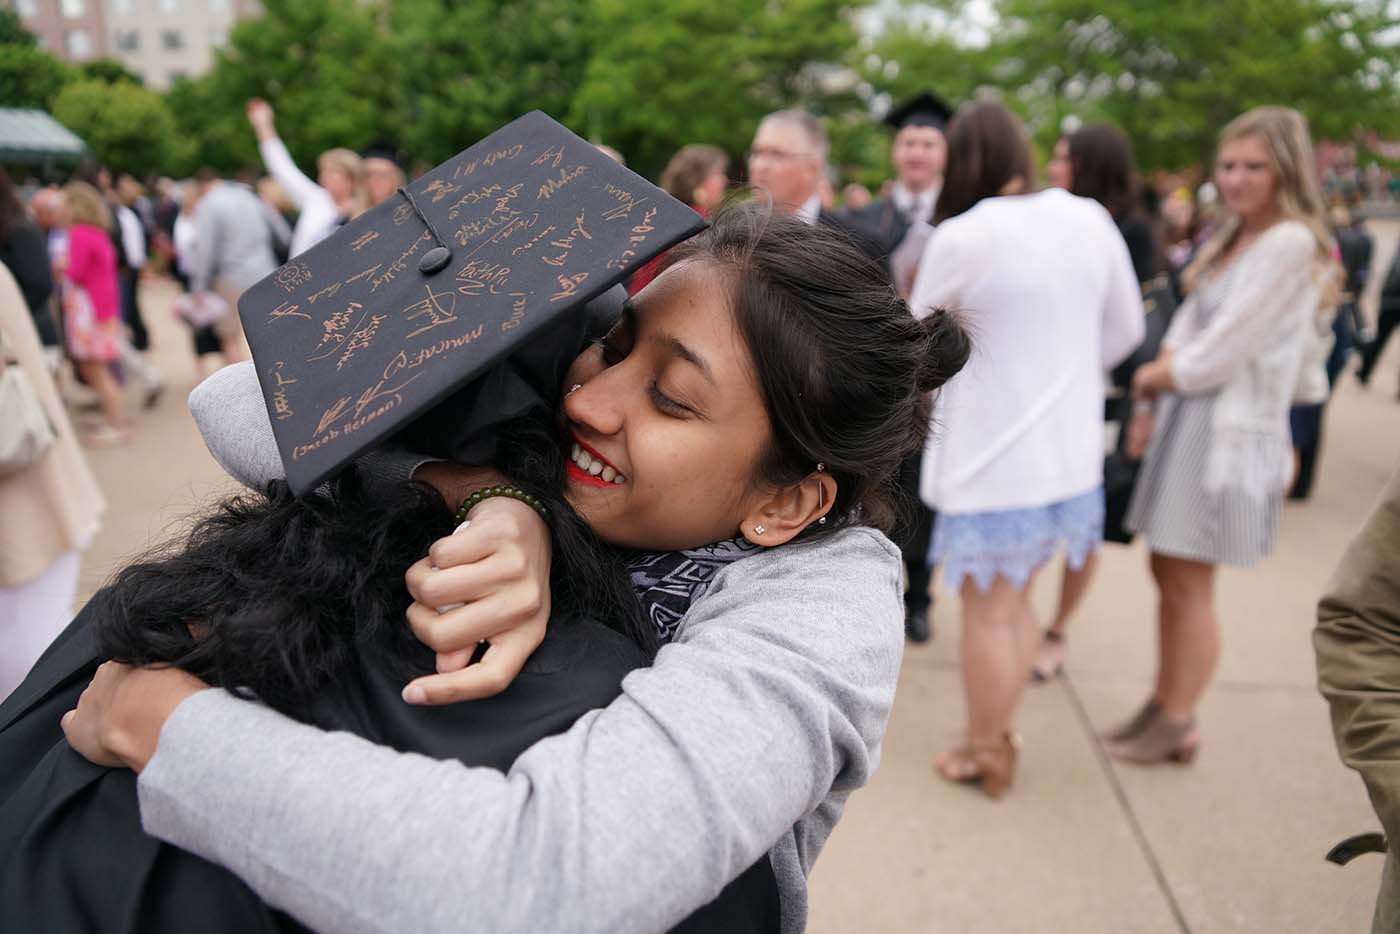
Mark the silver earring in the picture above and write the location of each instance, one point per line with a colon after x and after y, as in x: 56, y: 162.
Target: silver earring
x: 821, y: 495
x: 574, y: 388
x: 759, y: 530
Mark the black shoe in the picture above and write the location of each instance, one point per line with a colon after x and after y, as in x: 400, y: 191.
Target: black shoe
x: 916, y: 625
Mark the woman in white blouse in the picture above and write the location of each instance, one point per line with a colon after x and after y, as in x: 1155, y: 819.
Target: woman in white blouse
x: 1016, y: 474
x: 1215, y: 404
x: 323, y: 205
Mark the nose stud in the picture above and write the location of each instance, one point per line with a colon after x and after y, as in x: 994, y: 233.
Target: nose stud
x: 574, y: 388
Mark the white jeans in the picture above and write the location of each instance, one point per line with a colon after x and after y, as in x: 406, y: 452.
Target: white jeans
x: 31, y: 615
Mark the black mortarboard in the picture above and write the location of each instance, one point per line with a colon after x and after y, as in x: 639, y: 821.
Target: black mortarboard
x: 417, y: 297
x: 383, y: 150
x: 925, y: 110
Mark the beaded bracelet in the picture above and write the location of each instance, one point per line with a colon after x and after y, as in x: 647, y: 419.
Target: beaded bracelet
x: 481, y: 496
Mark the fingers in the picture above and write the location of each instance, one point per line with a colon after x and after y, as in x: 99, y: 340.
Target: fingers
x: 438, y: 586
x: 489, y: 677
x: 460, y: 629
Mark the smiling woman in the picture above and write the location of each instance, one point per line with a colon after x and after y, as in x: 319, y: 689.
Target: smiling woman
x: 767, y: 380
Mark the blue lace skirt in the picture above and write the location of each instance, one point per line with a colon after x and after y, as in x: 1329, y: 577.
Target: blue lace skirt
x: 1014, y: 542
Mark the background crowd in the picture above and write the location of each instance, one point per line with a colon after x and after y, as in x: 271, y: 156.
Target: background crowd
x: 1198, y: 318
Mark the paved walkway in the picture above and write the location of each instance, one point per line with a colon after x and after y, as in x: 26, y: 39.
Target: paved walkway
x: 1081, y: 845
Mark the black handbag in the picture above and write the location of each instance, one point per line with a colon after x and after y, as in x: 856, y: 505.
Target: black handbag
x: 1120, y: 472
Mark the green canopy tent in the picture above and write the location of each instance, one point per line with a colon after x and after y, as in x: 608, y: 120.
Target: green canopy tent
x: 33, y: 138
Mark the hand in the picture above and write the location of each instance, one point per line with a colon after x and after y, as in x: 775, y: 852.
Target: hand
x: 121, y: 712
x: 1139, y: 434
x: 1152, y: 379
x: 497, y: 570
x: 260, y: 115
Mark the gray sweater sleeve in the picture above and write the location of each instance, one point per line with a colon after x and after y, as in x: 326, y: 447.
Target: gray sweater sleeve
x: 229, y: 410
x: 745, y: 736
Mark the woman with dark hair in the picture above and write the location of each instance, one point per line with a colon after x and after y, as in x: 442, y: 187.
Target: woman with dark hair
x: 697, y: 176
x: 24, y: 252
x: 1097, y: 162
x: 1049, y: 291
x: 736, y: 434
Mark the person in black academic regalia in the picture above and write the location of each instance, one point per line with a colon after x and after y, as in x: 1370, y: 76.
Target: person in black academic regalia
x: 919, y: 154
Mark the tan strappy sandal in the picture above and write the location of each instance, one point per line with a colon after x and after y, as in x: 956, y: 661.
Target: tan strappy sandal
x: 990, y: 765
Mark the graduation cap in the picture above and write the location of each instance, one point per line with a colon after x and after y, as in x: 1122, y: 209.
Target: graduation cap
x: 423, y: 294
x: 924, y: 110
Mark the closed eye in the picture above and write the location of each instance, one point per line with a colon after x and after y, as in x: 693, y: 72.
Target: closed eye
x: 666, y: 404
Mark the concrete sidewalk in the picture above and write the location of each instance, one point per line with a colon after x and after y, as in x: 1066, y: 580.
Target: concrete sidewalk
x: 1233, y: 843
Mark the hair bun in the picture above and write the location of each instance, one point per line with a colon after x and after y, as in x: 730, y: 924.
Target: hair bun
x: 946, y: 346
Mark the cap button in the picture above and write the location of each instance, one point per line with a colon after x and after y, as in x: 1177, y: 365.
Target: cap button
x: 435, y: 260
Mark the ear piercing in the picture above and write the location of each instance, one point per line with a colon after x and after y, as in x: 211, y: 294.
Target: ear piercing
x: 573, y: 389
x: 821, y: 494
x: 759, y: 530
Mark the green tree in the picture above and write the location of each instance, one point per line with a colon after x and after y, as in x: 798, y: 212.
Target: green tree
x: 326, y: 66
x: 29, y: 76
x: 127, y: 128
x: 467, y: 68
x: 12, y: 31
x: 1170, y: 74
x: 108, y: 70
x: 663, y: 73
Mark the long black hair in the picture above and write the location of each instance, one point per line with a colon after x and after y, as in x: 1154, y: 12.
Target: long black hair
x: 270, y: 594
x: 845, y: 370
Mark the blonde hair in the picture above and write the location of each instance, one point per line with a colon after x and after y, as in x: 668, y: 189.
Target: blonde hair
x: 85, y: 205
x: 349, y: 162
x: 1299, y: 197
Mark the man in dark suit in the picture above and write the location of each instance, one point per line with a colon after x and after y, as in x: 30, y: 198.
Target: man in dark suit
x: 787, y: 161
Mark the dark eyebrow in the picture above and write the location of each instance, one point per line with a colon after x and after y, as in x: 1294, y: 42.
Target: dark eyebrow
x: 629, y: 313
x: 688, y: 355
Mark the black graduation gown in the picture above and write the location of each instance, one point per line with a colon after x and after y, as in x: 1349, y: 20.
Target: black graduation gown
x: 883, y: 223
x: 880, y: 227
x: 73, y: 857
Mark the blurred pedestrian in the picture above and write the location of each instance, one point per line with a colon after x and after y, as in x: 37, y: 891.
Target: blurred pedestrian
x: 383, y: 172
x: 131, y: 261
x: 919, y: 153
x: 49, y: 510
x: 91, y: 301
x: 1096, y: 161
x: 697, y: 175
x: 1387, y: 320
x: 1016, y: 472
x: 232, y: 250
x: 337, y: 195
x: 1215, y: 407
x: 24, y: 251
x: 1358, y: 671
x: 855, y: 197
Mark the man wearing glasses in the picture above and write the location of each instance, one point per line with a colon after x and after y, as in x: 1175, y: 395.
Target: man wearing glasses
x: 788, y: 160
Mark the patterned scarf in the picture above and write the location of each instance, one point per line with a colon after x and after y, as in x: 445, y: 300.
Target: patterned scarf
x: 668, y: 582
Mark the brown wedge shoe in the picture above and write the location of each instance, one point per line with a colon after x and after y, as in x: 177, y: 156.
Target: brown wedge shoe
x: 989, y: 765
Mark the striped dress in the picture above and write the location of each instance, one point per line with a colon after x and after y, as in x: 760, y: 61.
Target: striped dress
x: 1212, y: 481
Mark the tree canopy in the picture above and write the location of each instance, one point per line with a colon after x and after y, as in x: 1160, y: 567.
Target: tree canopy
x: 1170, y: 74
x: 649, y: 76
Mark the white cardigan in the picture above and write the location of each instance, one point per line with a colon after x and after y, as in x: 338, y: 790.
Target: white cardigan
x: 1046, y: 285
